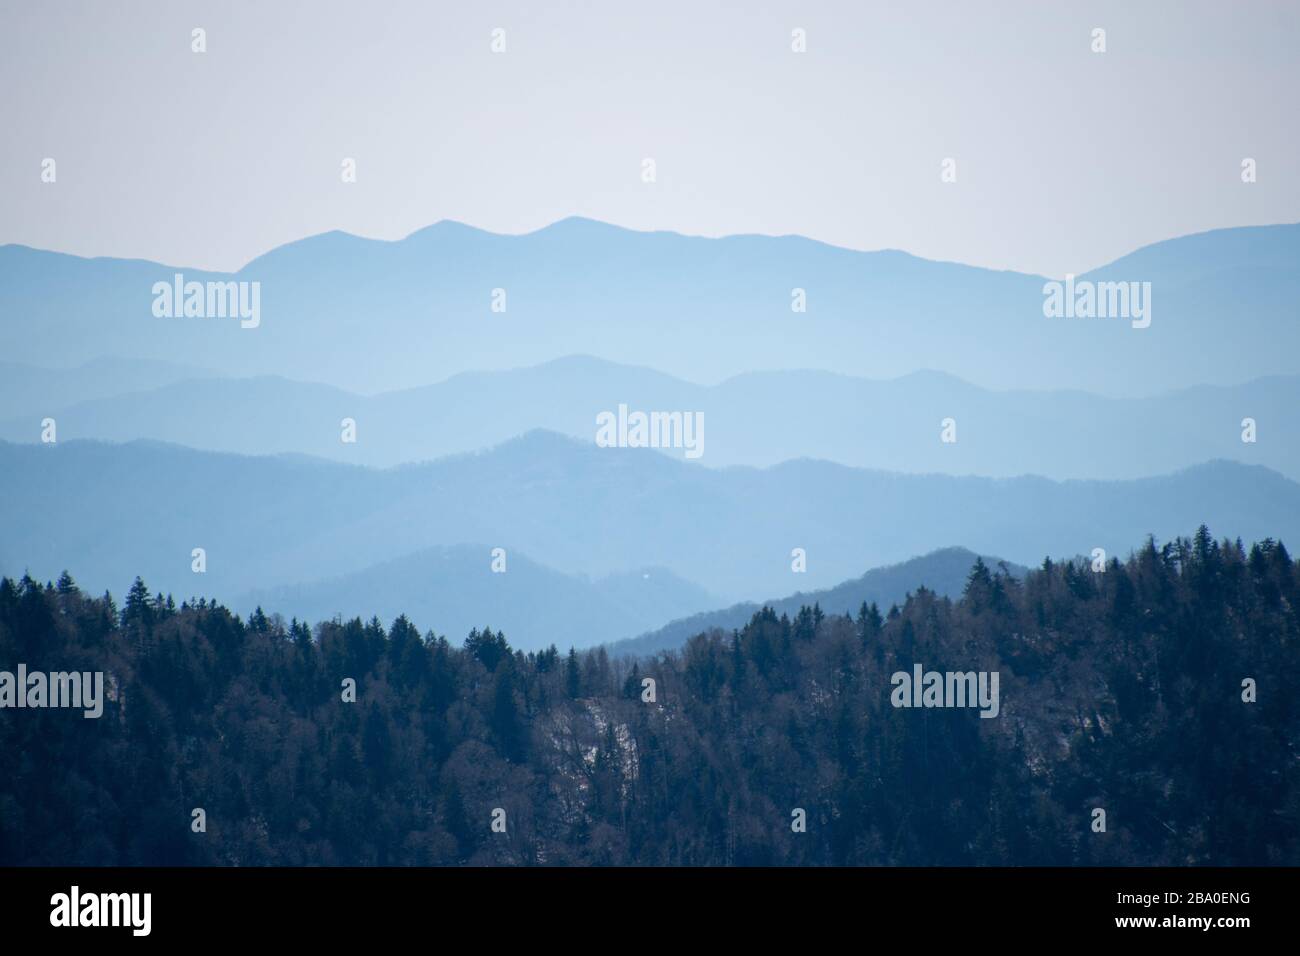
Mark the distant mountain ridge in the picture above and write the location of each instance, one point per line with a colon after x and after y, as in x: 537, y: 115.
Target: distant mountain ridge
x: 371, y: 316
x: 34, y: 392
x: 943, y: 571
x: 446, y: 589
x: 759, y: 419
x: 575, y: 508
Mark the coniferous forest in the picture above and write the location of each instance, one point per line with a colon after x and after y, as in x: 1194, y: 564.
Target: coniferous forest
x: 1120, y: 690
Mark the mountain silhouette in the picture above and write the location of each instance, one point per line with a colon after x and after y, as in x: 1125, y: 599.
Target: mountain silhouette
x: 575, y: 508
x: 370, y: 315
x: 760, y: 419
x: 944, y: 572
x: 446, y: 588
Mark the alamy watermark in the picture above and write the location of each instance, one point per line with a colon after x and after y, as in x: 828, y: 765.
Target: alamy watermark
x: 82, y: 690
x: 76, y: 908
x: 923, y: 688
x: 1086, y: 299
x: 209, y: 300
x: 651, y: 430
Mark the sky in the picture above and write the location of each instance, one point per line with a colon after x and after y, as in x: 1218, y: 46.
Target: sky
x: 1065, y: 158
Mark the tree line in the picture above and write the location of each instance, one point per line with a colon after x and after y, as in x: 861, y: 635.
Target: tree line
x: 1161, y: 690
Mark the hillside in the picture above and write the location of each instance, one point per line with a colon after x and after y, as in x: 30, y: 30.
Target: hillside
x: 943, y: 572
x: 1140, y: 713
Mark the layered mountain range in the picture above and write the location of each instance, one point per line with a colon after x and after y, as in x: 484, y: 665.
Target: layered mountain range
x: 861, y: 411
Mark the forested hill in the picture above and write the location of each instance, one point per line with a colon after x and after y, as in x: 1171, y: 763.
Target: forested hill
x: 943, y: 572
x: 1120, y: 691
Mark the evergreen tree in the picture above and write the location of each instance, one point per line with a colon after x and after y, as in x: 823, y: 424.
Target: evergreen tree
x: 1123, y: 689
x: 572, y: 675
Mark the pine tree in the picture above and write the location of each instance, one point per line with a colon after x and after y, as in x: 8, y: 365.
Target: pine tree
x: 572, y: 676
x: 456, y: 820
x: 507, y: 727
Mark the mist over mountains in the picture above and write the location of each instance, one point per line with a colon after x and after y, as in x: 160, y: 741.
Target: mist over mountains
x: 270, y: 522
x: 603, y: 435
x: 475, y: 427
x: 945, y: 572
x: 29, y: 393
x: 453, y: 590
x: 372, y: 316
x: 760, y: 419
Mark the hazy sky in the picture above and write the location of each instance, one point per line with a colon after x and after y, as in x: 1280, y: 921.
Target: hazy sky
x: 1065, y: 158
